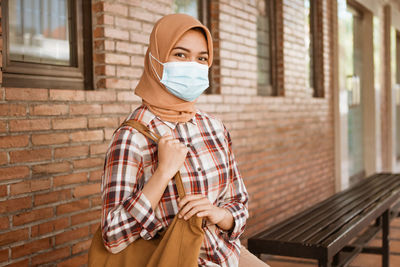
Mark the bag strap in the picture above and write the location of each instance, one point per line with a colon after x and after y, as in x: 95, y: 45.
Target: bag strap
x: 155, y: 137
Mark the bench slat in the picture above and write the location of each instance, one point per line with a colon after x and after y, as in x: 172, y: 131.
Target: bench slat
x: 324, y: 228
x: 283, y: 228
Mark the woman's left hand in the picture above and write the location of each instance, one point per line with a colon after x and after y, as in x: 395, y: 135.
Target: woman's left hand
x: 200, y: 206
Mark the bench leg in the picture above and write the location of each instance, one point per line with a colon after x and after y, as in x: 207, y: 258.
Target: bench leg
x: 385, y: 239
x: 324, y: 263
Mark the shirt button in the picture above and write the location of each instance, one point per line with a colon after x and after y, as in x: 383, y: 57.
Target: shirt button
x: 199, y: 169
x: 188, y: 145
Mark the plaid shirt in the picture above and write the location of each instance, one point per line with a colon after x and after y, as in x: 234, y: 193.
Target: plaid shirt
x: 209, y: 169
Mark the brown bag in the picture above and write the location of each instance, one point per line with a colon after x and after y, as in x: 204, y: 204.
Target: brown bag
x: 178, y: 246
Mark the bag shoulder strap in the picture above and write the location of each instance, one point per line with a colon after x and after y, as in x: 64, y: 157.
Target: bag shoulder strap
x: 141, y: 128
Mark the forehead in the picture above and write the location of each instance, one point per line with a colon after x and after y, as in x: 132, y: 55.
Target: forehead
x: 192, y: 39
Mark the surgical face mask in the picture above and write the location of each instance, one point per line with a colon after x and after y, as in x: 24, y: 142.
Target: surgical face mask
x: 185, y: 80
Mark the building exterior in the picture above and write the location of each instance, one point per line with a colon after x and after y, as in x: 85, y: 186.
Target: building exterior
x: 310, y: 91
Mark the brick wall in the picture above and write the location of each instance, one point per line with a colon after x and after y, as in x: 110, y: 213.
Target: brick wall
x: 52, y: 142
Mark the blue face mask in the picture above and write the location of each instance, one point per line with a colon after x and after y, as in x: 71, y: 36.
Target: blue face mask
x: 185, y: 80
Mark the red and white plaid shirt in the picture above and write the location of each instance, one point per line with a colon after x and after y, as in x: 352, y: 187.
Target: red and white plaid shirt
x: 210, y: 169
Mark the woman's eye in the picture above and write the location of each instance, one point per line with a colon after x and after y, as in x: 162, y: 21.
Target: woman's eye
x: 203, y: 59
x: 180, y: 55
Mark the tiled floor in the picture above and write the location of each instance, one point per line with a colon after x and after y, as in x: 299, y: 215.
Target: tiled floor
x: 362, y: 260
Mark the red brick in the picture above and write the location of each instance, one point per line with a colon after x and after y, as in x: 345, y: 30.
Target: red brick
x: 67, y: 95
x: 3, y: 126
x: 32, y: 216
x: 116, y: 108
x: 88, y: 163
x: 30, y: 248
x: 87, y: 136
x: 108, y: 133
x: 71, y: 151
x: 13, y: 236
x: 51, y: 168
x: 117, y: 59
x: 94, y: 227
x: 127, y: 96
x: 51, y: 256
x: 96, y: 201
x: 130, y: 48
x: 29, y: 186
x: 14, y: 141
x: 105, y: 70
x: 50, y: 139
x: 141, y: 14
x: 85, y: 109
x: 86, y: 217
x: 86, y: 190
x: 72, y: 123
x: 12, y: 110
x: 29, y: 125
x: 74, y: 178
x: 105, y: 19
x: 128, y: 24
x: 15, y: 204
x: 72, y: 235
x: 3, y: 255
x: 95, y: 175
x: 98, y: 149
x: 75, y: 261
x: 14, y: 172
x: 52, y: 197
x: 102, y: 122
x: 22, y: 263
x: 103, y: 45
x: 3, y: 158
x: 48, y: 110
x: 3, y: 190
x: 81, y: 246
x: 4, y: 223
x: 116, y: 34
x: 30, y: 155
x: 100, y: 96
x: 28, y: 94
x: 49, y: 227
x: 116, y: 9
x: 73, y: 206
x: 116, y: 83
x: 130, y: 72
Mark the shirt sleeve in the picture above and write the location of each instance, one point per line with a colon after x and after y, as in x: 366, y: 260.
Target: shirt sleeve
x: 127, y: 213
x: 236, y: 198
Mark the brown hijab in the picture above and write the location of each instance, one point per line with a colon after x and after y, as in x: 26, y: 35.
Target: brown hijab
x: 166, y: 32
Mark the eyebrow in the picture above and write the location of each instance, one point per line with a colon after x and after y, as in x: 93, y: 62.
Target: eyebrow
x: 188, y: 50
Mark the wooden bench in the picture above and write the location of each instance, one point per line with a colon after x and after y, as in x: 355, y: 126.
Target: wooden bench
x: 335, y: 230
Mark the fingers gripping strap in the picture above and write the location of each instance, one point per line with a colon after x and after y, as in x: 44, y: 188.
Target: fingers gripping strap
x: 155, y: 137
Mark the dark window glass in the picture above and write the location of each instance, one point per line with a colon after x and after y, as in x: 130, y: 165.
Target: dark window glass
x: 39, y: 31
x: 313, y: 44
x: 47, y: 43
x: 264, y: 86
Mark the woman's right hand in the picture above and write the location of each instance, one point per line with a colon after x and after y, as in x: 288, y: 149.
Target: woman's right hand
x: 171, y: 156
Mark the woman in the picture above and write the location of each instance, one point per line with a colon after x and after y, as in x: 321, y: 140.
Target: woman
x: 139, y: 194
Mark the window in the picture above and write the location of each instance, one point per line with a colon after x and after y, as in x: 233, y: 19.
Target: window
x: 194, y: 8
x: 47, y: 43
x: 398, y: 62
x: 313, y: 43
x: 200, y: 9
x: 269, y: 48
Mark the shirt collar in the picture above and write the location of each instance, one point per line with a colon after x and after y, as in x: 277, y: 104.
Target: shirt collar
x: 172, y: 125
x: 148, y: 116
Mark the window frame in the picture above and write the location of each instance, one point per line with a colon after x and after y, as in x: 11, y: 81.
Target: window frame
x: 38, y: 75
x: 316, y: 38
x: 274, y: 11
